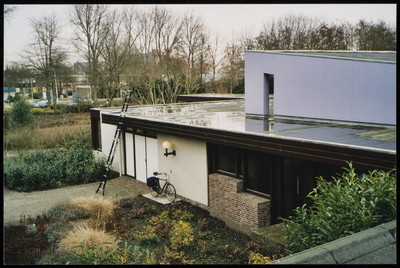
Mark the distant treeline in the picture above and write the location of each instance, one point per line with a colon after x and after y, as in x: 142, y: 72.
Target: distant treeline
x: 163, y: 55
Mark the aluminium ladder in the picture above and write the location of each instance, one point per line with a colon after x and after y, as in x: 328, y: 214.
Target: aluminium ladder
x: 114, y: 144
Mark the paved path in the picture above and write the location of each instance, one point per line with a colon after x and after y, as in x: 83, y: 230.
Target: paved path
x: 35, y: 203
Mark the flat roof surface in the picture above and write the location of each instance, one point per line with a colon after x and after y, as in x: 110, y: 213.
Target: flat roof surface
x: 229, y: 115
x: 216, y: 95
x: 383, y: 56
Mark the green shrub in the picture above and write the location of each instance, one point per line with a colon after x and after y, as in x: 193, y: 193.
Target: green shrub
x: 76, y: 108
x: 350, y: 204
x: 7, y: 111
x: 21, y: 113
x: 17, y: 98
x: 42, y: 111
x: 37, y: 95
x: 66, y: 213
x: 54, y: 232
x: 37, y: 170
x: 112, y: 254
x: 81, y: 166
x: 41, y: 170
x: 13, y: 171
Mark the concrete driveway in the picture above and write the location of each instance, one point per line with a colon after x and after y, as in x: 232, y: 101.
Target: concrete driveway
x: 35, y: 203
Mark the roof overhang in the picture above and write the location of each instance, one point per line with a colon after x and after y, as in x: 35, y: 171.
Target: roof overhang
x: 363, y: 158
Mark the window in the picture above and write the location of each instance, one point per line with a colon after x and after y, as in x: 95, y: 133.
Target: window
x: 251, y: 166
x: 258, y: 172
x: 227, y: 159
x: 96, y: 133
x: 99, y: 144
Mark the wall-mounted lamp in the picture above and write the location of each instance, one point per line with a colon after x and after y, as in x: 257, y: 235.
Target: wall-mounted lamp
x: 166, y: 145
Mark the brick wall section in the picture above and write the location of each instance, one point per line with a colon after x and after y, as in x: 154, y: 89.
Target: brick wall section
x: 271, y: 242
x: 194, y: 203
x: 240, y: 211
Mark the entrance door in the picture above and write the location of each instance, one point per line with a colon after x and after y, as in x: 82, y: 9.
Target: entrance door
x: 130, y: 155
x: 298, y: 178
x: 269, y: 92
x: 146, y: 157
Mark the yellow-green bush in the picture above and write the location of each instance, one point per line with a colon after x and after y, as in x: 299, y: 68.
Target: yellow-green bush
x: 182, y: 235
x: 175, y: 257
x: 257, y: 258
x: 183, y: 215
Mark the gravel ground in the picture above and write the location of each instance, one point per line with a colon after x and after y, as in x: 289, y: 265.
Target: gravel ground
x: 17, y: 204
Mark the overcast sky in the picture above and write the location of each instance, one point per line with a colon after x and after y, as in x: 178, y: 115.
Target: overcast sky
x: 223, y: 19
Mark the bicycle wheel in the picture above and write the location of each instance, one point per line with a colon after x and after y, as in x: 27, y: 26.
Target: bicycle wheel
x: 154, y: 193
x: 171, y: 193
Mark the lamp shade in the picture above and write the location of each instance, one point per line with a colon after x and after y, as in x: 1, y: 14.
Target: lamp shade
x: 166, y: 145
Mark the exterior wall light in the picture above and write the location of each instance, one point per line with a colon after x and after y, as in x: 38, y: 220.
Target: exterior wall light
x: 166, y: 145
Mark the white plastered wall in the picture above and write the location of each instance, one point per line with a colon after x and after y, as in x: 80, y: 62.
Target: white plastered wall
x: 107, y: 135
x: 189, y: 166
x: 323, y: 88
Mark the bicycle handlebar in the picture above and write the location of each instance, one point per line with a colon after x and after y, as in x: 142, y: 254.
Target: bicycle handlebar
x: 155, y: 173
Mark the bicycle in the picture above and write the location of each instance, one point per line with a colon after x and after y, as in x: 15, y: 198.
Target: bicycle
x: 168, y: 188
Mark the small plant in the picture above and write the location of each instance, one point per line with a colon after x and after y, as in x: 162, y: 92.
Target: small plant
x: 109, y: 253
x: 137, y: 212
x: 175, y: 257
x: 203, y: 224
x: 99, y: 207
x: 182, y: 235
x: 55, y: 231
x: 66, y: 213
x: 257, y: 258
x: 157, y: 229
x: 93, y: 238
x: 183, y: 215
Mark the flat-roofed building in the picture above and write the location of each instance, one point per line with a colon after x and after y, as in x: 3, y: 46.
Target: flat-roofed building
x: 244, y: 166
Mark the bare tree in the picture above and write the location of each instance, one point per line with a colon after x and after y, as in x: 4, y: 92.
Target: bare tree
x: 44, y: 55
x: 8, y: 10
x: 375, y: 36
x: 14, y: 73
x: 233, y: 64
x: 194, y: 41
x: 159, y: 74
x: 89, y: 21
x: 268, y: 39
x: 304, y: 33
x: 215, y: 60
x: 113, y: 57
x: 167, y: 33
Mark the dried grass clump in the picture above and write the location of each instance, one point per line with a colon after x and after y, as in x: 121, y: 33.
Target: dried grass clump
x: 99, y: 207
x: 82, y: 231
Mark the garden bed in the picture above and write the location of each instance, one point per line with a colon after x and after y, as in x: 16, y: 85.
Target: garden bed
x: 137, y: 221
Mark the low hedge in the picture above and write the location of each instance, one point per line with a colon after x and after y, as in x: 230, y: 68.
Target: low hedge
x: 75, y: 108
x: 40, y: 170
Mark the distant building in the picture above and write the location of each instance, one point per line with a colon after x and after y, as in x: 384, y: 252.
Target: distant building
x: 9, y: 92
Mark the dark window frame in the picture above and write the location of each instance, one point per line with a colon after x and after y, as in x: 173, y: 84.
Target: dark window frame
x: 241, y: 167
x: 267, y: 179
x: 218, y: 166
x: 96, y: 134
